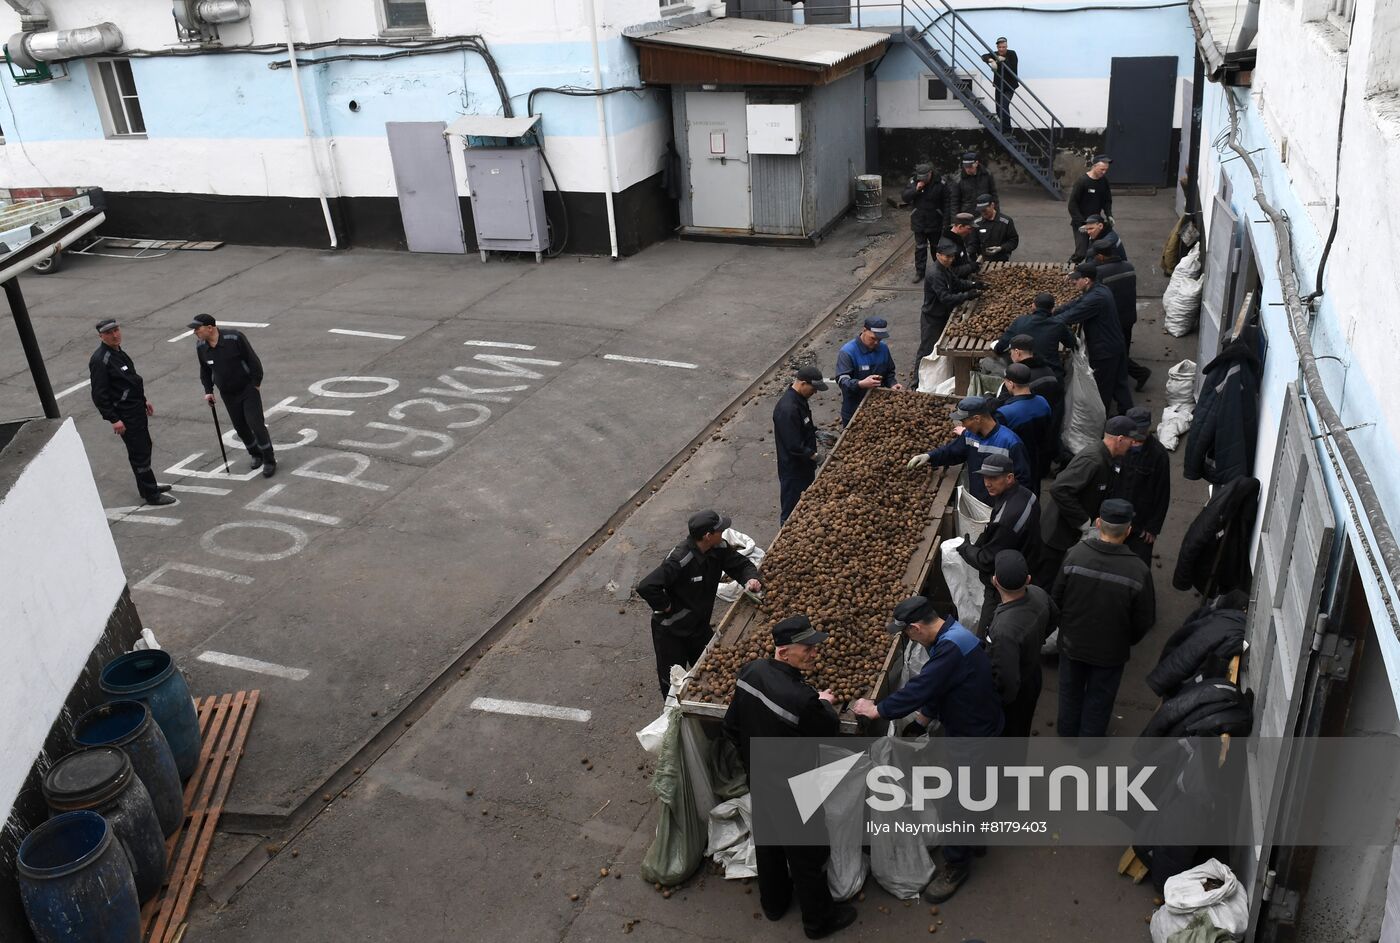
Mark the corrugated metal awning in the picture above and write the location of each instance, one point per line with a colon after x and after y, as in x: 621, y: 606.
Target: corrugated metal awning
x: 1225, y: 31
x: 755, y: 52
x: 491, y: 126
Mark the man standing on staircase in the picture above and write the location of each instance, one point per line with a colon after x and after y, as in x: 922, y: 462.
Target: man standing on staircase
x: 1004, y: 65
x: 967, y: 185
x: 927, y: 195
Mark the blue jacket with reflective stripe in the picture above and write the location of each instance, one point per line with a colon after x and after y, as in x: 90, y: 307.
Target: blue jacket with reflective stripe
x: 971, y: 449
x: 955, y: 687
x: 853, y: 364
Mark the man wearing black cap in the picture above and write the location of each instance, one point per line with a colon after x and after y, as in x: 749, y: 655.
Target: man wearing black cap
x: 1027, y: 413
x: 928, y: 196
x: 227, y: 360
x: 1014, y: 524
x: 1103, y: 337
x: 1097, y: 228
x: 1004, y: 65
x: 1076, y: 494
x: 959, y: 233
x: 119, y: 394
x: 862, y: 364
x: 981, y: 437
x: 1120, y: 278
x: 967, y: 184
x: 1146, y: 482
x: 771, y: 699
x: 1106, y: 605
x: 1047, y: 334
x: 681, y: 592
x: 954, y: 687
x: 943, y: 291
x: 1091, y: 194
x: 1024, y: 616
x: 795, y: 437
x: 994, y: 235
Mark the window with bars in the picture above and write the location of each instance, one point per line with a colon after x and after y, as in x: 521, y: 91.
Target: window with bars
x: 406, y: 15
x: 121, y: 108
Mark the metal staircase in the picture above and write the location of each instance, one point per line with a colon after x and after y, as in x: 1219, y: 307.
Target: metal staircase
x: 953, y: 52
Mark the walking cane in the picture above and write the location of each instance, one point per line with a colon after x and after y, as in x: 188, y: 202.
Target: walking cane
x: 217, y: 431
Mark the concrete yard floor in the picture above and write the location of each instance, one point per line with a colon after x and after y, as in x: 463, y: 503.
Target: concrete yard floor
x: 479, y: 825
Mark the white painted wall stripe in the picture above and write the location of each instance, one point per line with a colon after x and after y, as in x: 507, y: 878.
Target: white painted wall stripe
x: 527, y: 709
x: 660, y: 363
x: 252, y: 664
x: 498, y: 344
x: 221, y: 324
x: 349, y: 333
x: 72, y: 389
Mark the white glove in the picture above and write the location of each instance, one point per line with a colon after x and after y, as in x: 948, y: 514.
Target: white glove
x: 918, y: 461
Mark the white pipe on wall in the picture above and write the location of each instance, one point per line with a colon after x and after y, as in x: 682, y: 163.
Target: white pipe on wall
x: 602, y: 126
x: 306, y: 126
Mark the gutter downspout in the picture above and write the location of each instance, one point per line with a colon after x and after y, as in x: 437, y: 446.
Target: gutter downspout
x: 602, y: 127
x: 306, y: 126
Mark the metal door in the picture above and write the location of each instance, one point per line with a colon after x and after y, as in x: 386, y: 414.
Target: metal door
x: 427, y: 186
x: 1290, y: 567
x: 717, y: 148
x: 1141, y: 98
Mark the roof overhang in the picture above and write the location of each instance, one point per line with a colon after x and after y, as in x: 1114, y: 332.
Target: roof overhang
x: 732, y: 51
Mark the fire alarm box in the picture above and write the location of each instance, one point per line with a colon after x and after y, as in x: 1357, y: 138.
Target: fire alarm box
x: 775, y: 129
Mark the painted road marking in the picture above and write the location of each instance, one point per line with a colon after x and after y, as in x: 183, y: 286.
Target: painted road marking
x: 498, y: 344
x: 660, y: 363
x: 152, y: 583
x: 72, y: 389
x: 200, y: 489
x: 526, y: 709
x: 132, y: 514
x: 383, y: 337
x: 252, y: 664
x: 221, y: 324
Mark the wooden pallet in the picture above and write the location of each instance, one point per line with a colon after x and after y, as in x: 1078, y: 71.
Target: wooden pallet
x: 224, y: 721
x: 952, y: 343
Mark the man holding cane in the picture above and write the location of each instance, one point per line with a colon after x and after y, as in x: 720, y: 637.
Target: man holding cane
x: 227, y: 360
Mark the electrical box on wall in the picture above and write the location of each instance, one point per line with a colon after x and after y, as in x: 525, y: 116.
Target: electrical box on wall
x: 775, y: 129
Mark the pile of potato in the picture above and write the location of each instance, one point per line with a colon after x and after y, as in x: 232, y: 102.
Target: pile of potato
x: 843, y: 553
x: 1011, y: 291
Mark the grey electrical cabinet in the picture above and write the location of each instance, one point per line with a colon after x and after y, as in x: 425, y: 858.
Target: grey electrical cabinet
x: 507, y: 185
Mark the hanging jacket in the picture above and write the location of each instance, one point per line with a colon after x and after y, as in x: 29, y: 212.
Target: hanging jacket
x: 1203, y: 646
x: 928, y: 204
x: 1224, y: 426
x: 1204, y: 709
x: 1217, y: 542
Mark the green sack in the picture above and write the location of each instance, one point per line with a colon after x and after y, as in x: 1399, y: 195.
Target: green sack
x: 681, y: 832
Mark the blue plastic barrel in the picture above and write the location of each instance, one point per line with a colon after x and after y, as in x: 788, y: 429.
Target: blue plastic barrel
x: 128, y: 726
x: 76, y: 883
x: 150, y: 676
x: 100, y: 779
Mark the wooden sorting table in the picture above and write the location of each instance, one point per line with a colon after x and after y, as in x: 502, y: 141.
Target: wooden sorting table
x: 743, y: 616
x: 965, y: 351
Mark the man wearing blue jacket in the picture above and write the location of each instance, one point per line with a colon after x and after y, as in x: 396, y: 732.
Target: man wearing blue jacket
x: 979, y: 436
x: 864, y: 363
x: 956, y: 688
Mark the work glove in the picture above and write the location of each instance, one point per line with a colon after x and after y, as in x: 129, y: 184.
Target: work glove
x: 918, y: 461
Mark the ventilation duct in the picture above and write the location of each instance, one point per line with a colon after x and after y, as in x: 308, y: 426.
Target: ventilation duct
x: 199, y: 19
x: 27, y: 50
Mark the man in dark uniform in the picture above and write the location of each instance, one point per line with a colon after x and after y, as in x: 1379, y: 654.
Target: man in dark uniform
x: 227, y: 360
x: 1096, y: 228
x: 1120, y: 278
x: 1047, y: 334
x: 1025, y: 615
x: 771, y: 699
x: 970, y: 182
x: 994, y: 235
x: 1004, y: 64
x: 119, y: 394
x: 1103, y: 337
x: 960, y: 234
x: 1145, y: 480
x: 1028, y: 414
x: 1076, y: 494
x: 795, y: 437
x: 928, y: 196
x: 1091, y: 194
x: 862, y: 364
x: 1014, y: 525
x: 943, y: 291
x: 681, y: 592
x: 954, y: 687
x: 980, y: 437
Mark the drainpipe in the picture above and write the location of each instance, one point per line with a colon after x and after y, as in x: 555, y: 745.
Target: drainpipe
x: 602, y: 127
x: 306, y: 125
